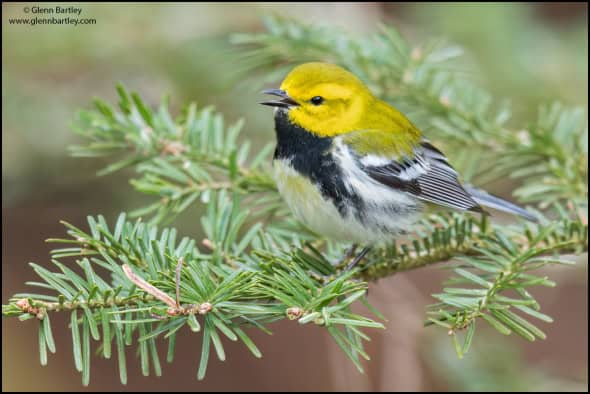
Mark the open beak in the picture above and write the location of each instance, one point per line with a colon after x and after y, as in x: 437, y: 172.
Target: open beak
x: 284, y: 102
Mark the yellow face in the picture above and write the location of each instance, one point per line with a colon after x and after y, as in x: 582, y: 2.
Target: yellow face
x: 330, y: 100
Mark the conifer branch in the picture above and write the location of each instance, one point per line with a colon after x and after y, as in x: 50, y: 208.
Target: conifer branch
x: 258, y: 264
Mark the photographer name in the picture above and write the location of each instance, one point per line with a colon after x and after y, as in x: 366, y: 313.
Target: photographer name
x: 56, y: 10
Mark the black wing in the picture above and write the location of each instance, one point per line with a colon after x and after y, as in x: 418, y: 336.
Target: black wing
x: 428, y: 176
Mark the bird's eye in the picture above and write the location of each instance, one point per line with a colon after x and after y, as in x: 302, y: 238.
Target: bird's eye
x: 317, y: 100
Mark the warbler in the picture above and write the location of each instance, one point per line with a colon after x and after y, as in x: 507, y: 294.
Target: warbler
x: 353, y: 168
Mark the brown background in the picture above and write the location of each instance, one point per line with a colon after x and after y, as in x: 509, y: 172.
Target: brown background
x: 531, y: 53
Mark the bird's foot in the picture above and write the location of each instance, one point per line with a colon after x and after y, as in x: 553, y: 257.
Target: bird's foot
x: 350, y: 252
x: 358, y: 258
x: 347, y: 255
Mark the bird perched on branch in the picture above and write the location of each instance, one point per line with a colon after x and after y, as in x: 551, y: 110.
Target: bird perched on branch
x: 355, y: 169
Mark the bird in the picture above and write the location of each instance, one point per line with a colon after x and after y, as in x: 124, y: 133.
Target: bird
x: 353, y: 168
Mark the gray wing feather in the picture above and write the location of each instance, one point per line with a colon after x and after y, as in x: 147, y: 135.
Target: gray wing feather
x: 428, y: 176
x: 491, y: 201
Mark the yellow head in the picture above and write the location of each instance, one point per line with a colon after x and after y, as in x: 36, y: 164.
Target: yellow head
x: 324, y: 99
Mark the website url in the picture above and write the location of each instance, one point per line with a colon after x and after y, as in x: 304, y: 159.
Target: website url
x: 51, y: 21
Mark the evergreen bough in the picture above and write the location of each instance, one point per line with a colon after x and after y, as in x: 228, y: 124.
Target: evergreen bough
x: 257, y: 264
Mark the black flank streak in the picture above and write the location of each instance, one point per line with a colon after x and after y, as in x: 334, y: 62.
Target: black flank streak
x: 311, y: 156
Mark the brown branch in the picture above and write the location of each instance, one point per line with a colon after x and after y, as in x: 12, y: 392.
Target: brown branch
x: 174, y: 308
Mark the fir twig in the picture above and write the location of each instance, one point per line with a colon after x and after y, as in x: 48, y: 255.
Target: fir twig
x: 260, y: 265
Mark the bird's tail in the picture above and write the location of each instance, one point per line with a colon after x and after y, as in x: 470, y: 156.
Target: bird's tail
x: 486, y: 199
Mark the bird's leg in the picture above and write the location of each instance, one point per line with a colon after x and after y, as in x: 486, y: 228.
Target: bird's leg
x: 347, y: 255
x: 358, y: 258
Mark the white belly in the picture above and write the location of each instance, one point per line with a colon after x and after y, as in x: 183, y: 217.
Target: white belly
x: 321, y: 215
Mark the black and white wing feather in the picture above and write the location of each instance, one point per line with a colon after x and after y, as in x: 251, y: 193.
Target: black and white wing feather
x: 428, y: 176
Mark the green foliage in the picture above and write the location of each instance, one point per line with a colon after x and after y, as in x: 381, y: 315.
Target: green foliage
x: 179, y: 161
x: 241, y: 290
x: 494, y: 284
x: 258, y: 265
x: 550, y: 156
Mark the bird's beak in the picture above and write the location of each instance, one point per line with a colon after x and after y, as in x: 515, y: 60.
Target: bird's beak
x: 284, y: 102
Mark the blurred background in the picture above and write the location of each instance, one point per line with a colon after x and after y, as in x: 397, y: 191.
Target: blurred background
x: 529, y: 53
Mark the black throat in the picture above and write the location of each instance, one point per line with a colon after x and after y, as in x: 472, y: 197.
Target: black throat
x: 311, y: 156
x: 303, y: 148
